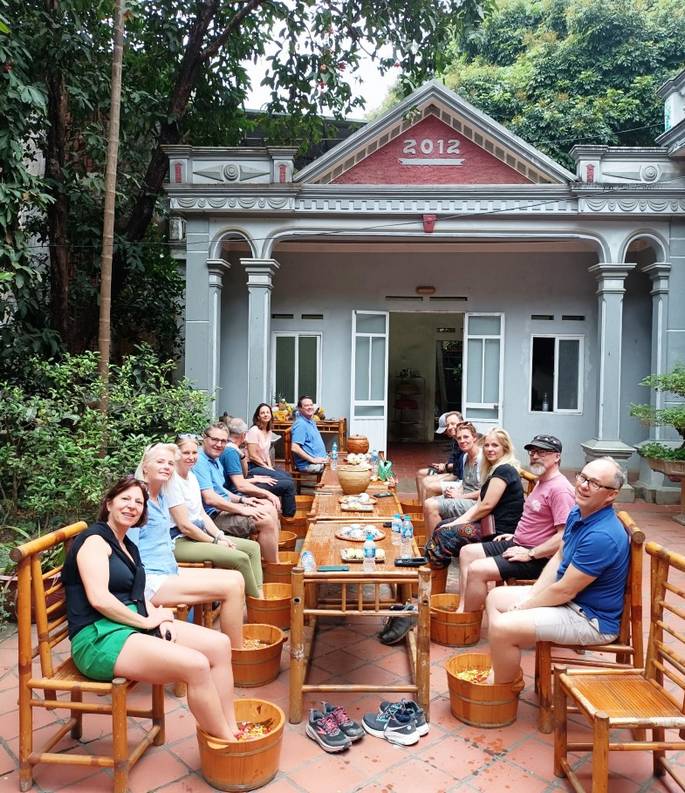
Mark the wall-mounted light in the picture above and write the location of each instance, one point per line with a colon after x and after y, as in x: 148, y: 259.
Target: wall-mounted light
x: 425, y: 290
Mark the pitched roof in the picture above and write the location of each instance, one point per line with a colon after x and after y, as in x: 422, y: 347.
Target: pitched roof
x: 520, y: 161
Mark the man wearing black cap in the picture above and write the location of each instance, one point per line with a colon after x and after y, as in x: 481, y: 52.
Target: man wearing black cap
x: 537, y: 536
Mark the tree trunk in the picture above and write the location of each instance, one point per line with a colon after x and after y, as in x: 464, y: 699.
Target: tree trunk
x: 170, y: 132
x: 104, y: 330
x: 61, y: 268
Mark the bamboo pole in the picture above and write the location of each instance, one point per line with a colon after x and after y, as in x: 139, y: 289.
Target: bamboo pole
x: 104, y: 329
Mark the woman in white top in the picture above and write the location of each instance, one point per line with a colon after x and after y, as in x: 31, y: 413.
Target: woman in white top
x: 196, y: 536
x: 258, y: 439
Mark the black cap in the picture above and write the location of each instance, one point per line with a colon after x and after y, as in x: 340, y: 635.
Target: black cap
x: 547, y: 443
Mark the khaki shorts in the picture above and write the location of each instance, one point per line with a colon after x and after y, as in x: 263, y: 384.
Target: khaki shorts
x: 234, y: 525
x: 565, y: 624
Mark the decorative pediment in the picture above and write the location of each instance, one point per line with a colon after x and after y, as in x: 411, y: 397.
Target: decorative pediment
x: 434, y: 137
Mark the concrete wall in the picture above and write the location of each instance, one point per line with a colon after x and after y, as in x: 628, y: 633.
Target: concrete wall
x: 520, y: 285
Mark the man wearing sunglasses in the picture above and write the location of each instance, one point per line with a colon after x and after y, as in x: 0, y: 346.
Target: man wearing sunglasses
x: 578, y: 598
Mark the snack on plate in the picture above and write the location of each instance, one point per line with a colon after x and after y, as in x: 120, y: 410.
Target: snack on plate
x: 474, y: 675
x: 357, y: 532
x: 357, y: 554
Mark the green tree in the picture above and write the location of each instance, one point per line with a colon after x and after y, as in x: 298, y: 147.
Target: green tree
x: 185, y: 80
x: 561, y: 72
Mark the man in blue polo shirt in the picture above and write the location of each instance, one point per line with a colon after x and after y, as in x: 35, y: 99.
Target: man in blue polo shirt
x: 309, y: 451
x: 578, y: 598
x: 234, y: 514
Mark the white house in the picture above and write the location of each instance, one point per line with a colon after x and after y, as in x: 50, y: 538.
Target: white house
x: 434, y: 259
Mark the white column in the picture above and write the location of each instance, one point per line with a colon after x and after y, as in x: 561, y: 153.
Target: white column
x: 610, y: 290
x: 659, y: 272
x: 260, y: 274
x: 217, y: 268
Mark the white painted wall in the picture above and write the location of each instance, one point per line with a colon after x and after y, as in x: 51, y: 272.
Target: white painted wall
x: 518, y: 284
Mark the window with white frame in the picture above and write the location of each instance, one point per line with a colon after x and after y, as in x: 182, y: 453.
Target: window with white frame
x: 296, y: 366
x: 556, y: 377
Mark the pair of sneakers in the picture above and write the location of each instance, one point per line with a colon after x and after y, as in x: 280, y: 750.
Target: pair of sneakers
x: 396, y: 628
x: 332, y: 728
x: 402, y: 723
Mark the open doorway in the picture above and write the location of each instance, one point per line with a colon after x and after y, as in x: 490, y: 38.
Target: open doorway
x: 424, y: 372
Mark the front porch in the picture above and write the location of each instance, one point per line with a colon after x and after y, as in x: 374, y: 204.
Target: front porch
x: 453, y: 758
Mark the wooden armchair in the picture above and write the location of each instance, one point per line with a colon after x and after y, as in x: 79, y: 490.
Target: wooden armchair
x: 55, y: 675
x: 528, y: 481
x: 639, y: 699
x: 300, y: 477
x: 628, y: 648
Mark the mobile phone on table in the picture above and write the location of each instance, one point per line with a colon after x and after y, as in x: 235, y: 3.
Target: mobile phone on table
x: 383, y: 494
x: 333, y: 568
x: 412, y: 561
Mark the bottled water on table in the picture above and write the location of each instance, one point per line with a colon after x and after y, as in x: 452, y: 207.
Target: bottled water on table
x: 374, y: 465
x: 396, y: 529
x: 369, y: 563
x: 334, y: 455
x: 407, y: 538
x: 307, y: 562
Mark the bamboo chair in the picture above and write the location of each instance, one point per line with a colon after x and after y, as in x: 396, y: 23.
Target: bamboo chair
x: 528, y: 481
x: 635, y: 699
x: 628, y: 648
x: 56, y: 675
x: 301, y: 478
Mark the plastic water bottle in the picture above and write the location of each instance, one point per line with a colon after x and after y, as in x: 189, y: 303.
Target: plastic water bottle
x: 334, y: 455
x: 396, y: 529
x: 407, y: 538
x: 307, y: 562
x: 374, y: 465
x: 369, y: 563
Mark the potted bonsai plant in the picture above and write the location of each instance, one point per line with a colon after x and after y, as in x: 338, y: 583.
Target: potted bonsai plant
x: 666, y: 458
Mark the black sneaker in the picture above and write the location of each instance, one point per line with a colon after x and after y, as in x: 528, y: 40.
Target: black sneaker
x: 388, y: 620
x: 392, y: 723
x: 398, y: 627
x: 325, y: 731
x: 352, y: 729
x: 416, y: 712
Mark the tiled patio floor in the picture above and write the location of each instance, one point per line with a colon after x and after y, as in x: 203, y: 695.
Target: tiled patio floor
x: 452, y: 757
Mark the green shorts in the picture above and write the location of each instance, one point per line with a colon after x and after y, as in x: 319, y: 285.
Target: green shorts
x: 96, y: 647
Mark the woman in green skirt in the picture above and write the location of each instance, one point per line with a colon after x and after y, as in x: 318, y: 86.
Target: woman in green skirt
x: 115, y: 632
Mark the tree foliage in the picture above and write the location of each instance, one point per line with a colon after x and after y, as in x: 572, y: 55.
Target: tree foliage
x: 184, y: 81
x: 562, y: 72
x: 670, y: 416
x: 51, y: 432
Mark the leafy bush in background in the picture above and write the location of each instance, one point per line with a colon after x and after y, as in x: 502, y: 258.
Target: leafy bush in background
x: 52, y: 435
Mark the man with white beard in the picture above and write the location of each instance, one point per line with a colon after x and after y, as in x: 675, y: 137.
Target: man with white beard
x: 524, y: 553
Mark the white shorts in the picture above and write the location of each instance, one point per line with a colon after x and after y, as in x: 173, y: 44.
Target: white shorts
x: 153, y: 583
x: 566, y: 624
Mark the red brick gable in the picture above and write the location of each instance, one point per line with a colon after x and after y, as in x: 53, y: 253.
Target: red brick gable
x: 422, y: 155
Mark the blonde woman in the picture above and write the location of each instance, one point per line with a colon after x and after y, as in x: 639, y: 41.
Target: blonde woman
x: 196, y: 537
x: 165, y: 583
x: 497, y: 509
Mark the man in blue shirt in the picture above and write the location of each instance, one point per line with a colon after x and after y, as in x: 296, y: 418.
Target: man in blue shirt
x: 235, y: 514
x: 578, y: 598
x: 309, y: 451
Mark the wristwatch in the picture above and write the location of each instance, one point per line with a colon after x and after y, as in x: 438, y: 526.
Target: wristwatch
x: 531, y: 555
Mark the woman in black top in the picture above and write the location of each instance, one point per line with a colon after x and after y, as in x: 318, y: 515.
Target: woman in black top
x: 114, y: 632
x: 497, y: 510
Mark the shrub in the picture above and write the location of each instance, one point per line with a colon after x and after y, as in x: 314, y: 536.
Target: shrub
x: 674, y: 415
x: 58, y: 453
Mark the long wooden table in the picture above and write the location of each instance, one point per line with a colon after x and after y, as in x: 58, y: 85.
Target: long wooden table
x: 327, y: 506
x: 306, y: 610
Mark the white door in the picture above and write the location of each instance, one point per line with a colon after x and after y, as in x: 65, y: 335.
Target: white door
x: 483, y: 363
x: 369, y: 377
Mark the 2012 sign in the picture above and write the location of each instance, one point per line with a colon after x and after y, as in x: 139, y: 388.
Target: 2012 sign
x: 427, y: 146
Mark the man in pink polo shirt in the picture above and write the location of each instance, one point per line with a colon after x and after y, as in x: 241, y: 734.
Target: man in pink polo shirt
x: 524, y: 553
